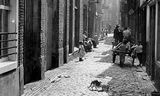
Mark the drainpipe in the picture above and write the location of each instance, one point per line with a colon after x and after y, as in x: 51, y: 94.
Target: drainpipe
x: 156, y: 30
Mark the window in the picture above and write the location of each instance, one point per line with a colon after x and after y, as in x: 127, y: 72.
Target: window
x: 8, y: 34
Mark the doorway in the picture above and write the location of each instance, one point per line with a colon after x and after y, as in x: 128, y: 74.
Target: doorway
x: 152, y: 41
x: 32, y: 49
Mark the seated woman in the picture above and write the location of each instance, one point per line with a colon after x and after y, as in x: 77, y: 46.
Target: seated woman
x: 122, y: 52
x: 88, y: 45
x: 120, y: 49
x: 115, y: 53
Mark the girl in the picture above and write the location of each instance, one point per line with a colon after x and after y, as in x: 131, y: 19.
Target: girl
x: 138, y: 49
x: 81, y: 51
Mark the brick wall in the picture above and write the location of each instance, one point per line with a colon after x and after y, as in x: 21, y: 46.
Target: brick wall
x: 78, y: 22
x: 81, y: 21
x: 9, y: 83
x: 12, y: 82
x: 43, y: 32
x: 32, y: 32
x: 85, y: 19
x: 66, y: 30
x: 61, y: 7
x: 71, y: 25
x: 53, y: 27
x: 91, y: 19
x: 68, y: 17
x: 68, y: 10
x: 61, y: 22
x: 49, y: 27
x: 58, y: 29
x: 20, y: 45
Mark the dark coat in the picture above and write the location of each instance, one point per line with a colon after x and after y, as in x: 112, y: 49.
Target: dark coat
x: 116, y: 31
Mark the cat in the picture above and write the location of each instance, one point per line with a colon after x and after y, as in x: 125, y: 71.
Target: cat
x: 95, y: 85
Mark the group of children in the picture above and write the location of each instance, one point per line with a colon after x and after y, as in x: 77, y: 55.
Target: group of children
x: 136, y: 51
x: 124, y: 43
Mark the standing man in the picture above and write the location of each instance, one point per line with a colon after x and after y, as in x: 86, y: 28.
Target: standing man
x: 106, y: 32
x: 127, y: 34
x: 116, y: 32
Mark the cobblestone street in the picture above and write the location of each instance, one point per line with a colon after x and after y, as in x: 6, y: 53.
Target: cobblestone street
x: 73, y: 78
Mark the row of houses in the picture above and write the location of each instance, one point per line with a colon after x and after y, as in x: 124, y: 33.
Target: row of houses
x: 39, y: 35
x: 143, y: 17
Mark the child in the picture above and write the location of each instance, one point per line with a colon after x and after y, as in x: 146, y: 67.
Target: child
x: 81, y: 51
x: 139, y: 50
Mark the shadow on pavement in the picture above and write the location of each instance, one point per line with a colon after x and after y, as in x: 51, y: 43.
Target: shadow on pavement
x: 108, y: 58
x: 108, y: 40
x: 123, y: 81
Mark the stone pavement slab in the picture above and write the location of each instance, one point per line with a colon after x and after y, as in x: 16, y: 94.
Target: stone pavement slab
x: 73, y: 78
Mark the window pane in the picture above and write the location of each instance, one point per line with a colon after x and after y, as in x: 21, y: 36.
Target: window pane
x: 4, y: 2
x: 1, y: 2
x: 3, y: 28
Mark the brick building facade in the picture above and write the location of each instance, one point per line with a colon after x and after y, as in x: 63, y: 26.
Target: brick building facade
x: 48, y: 35
x: 143, y: 19
x: 94, y: 18
x: 152, y: 40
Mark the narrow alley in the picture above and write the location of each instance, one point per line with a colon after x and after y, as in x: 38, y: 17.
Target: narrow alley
x: 73, y: 78
x: 79, y: 48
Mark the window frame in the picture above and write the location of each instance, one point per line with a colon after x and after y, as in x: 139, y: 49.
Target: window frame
x: 8, y: 65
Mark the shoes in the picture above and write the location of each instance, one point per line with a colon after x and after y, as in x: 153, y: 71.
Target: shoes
x: 80, y: 59
x: 140, y: 65
x: 121, y: 65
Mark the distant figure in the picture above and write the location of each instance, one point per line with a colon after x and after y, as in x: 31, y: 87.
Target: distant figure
x: 120, y: 34
x: 94, y: 43
x: 88, y: 45
x: 109, y: 28
x: 81, y: 51
x: 95, y: 38
x: 106, y: 31
x: 116, y: 32
x: 84, y: 36
x: 127, y: 34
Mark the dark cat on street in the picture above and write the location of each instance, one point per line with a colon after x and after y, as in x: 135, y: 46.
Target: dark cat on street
x: 95, y: 85
x: 98, y: 86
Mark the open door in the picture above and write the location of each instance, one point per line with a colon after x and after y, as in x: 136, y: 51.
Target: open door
x: 32, y: 49
x: 152, y: 41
